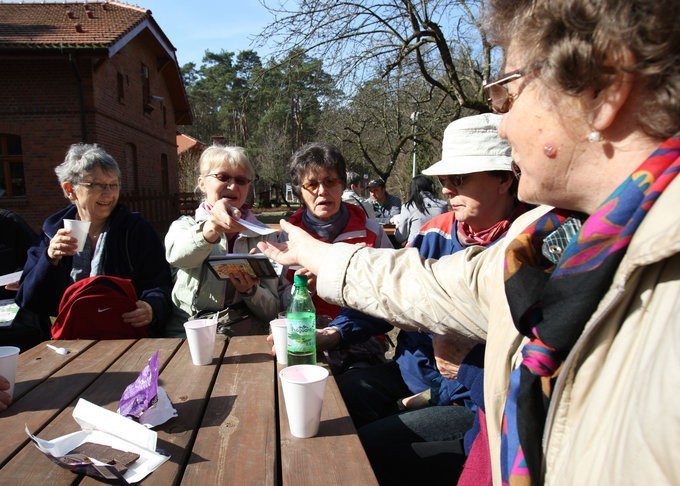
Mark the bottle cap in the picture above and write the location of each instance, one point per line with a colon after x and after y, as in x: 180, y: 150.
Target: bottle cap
x: 300, y: 280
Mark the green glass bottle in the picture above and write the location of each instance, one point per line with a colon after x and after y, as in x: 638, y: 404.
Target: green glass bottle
x: 301, y: 317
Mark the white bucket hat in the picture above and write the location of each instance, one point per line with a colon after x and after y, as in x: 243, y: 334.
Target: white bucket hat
x: 472, y: 144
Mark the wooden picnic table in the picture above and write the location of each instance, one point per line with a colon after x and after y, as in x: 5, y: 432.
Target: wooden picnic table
x: 231, y: 426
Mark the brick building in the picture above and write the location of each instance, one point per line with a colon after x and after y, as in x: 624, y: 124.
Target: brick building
x: 99, y: 72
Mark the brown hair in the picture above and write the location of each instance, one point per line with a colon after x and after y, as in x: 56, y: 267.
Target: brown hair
x: 316, y: 155
x: 576, y: 43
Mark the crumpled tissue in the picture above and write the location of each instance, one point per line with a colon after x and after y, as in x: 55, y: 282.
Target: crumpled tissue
x: 145, y: 401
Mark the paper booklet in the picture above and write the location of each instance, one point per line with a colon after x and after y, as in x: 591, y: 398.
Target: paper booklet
x: 257, y: 265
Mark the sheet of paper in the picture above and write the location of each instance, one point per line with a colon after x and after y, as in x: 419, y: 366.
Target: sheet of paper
x: 259, y: 229
x: 10, y: 278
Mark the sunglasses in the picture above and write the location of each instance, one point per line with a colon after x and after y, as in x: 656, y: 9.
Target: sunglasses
x: 328, y: 183
x: 454, y: 180
x: 224, y: 177
x: 497, y: 95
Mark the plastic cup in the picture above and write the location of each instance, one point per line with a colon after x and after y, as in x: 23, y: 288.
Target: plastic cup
x: 79, y: 231
x: 8, y: 365
x: 201, y: 337
x: 303, y: 390
x: 279, y: 329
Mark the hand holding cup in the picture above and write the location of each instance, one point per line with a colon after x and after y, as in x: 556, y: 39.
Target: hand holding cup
x: 62, y: 245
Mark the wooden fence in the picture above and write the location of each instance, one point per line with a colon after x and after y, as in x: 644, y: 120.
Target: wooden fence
x: 160, y: 209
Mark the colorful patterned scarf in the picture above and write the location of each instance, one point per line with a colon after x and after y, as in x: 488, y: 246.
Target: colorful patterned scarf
x: 550, y: 304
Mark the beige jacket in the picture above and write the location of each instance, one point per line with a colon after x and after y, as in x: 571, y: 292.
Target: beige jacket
x: 615, y: 413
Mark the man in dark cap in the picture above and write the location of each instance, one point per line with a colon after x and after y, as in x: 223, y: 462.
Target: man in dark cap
x: 385, y: 204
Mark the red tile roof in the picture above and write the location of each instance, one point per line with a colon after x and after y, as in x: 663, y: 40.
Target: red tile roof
x: 67, y: 25
x: 185, y: 142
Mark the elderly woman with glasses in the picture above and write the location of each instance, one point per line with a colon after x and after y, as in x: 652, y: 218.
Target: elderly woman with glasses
x: 319, y: 176
x: 579, y: 303
x: 224, y: 181
x: 119, y: 243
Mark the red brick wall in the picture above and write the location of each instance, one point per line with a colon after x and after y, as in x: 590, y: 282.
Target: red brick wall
x: 39, y: 102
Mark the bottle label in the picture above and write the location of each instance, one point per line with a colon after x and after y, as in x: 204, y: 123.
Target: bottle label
x: 301, y: 335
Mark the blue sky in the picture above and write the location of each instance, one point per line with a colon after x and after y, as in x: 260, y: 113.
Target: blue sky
x: 194, y: 26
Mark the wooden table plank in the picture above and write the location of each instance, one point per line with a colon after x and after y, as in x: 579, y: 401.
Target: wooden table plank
x: 188, y: 387
x: 237, y: 441
x: 39, y: 362
x: 40, y: 405
x: 334, y: 456
x: 105, y: 391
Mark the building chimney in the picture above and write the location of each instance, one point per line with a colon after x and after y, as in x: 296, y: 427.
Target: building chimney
x: 70, y: 14
x: 90, y: 14
x: 79, y: 28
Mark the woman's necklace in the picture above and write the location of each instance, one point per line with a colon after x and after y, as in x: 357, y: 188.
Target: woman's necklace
x: 94, y: 235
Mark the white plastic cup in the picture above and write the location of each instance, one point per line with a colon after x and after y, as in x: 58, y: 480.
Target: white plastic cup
x: 79, y: 230
x: 201, y: 337
x: 279, y: 329
x: 303, y: 390
x: 8, y: 365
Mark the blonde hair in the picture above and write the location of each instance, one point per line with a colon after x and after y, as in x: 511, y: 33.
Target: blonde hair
x: 218, y: 154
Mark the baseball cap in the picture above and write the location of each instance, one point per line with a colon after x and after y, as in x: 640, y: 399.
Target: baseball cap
x: 472, y: 144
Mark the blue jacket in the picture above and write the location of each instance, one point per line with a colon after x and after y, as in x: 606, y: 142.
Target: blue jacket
x: 414, y: 353
x: 132, y: 250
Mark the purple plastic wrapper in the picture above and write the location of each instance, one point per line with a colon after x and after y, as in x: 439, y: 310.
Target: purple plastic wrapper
x: 142, y: 393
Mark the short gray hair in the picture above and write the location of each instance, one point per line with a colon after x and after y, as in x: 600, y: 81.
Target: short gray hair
x: 83, y: 157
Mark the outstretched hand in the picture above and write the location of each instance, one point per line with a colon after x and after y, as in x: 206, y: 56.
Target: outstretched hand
x: 301, y: 249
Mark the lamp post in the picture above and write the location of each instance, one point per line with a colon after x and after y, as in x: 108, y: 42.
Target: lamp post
x: 414, y: 120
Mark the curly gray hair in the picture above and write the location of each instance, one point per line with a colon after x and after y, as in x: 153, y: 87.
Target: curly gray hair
x: 578, y: 45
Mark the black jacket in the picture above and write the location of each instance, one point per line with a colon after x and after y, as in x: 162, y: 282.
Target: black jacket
x: 132, y: 250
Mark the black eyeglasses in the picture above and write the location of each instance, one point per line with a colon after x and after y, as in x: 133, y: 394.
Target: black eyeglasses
x: 454, y: 180
x: 328, y: 183
x: 99, y: 187
x: 224, y: 177
x: 497, y: 95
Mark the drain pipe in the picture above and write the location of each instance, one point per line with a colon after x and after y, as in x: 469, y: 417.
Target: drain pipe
x: 81, y: 97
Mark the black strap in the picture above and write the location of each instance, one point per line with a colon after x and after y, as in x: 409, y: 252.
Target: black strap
x: 361, y: 205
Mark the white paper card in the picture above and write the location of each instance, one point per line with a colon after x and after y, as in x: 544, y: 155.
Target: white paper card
x: 256, y: 228
x: 10, y: 278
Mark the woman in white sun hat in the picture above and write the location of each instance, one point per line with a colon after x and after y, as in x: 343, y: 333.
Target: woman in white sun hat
x: 475, y: 171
